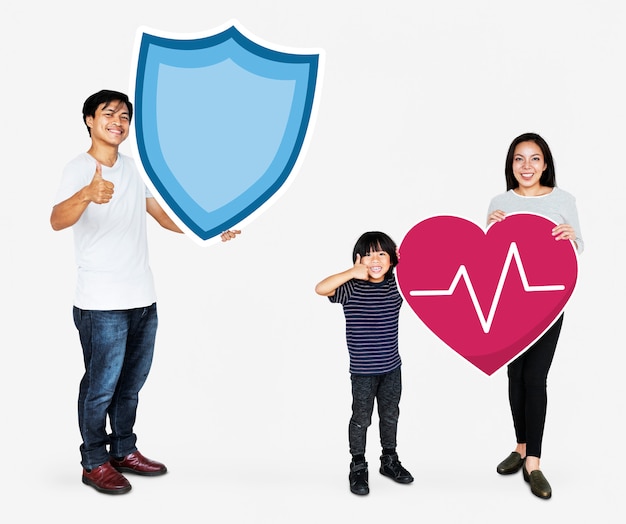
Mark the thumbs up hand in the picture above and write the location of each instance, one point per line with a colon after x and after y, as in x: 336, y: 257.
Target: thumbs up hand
x: 100, y: 191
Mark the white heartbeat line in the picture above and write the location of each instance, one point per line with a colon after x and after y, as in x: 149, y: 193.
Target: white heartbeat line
x: 462, y: 272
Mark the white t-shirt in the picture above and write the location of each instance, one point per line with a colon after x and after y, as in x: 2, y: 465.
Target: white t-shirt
x: 110, y: 240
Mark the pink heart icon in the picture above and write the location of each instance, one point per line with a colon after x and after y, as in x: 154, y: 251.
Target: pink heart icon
x: 488, y: 294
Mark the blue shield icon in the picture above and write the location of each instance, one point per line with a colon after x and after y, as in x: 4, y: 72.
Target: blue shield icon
x: 220, y: 123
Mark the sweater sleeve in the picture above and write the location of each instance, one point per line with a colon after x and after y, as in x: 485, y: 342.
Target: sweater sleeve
x: 570, y: 213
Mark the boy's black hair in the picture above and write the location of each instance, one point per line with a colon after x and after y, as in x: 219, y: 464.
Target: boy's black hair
x: 376, y: 241
x: 104, y: 97
x: 548, y: 177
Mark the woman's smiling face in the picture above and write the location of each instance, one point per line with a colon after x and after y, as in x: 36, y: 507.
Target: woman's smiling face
x: 528, y: 166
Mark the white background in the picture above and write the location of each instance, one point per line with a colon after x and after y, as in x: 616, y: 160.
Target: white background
x: 248, y: 400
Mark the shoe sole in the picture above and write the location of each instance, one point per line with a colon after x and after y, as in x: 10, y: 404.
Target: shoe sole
x: 142, y: 473
x: 120, y: 491
x: 399, y: 481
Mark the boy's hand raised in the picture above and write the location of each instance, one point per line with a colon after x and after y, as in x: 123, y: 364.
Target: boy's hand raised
x: 360, y: 271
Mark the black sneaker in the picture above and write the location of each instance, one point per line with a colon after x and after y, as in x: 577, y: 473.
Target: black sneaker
x: 358, y: 478
x: 390, y: 467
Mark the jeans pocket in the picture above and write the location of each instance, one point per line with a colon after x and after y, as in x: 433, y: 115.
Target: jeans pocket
x: 78, y: 316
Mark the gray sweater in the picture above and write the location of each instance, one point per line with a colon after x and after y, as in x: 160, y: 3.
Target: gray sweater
x: 558, y: 205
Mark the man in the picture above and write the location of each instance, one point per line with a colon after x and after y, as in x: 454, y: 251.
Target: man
x: 104, y: 199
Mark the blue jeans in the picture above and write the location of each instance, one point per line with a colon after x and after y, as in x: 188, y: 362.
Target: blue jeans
x: 117, y: 351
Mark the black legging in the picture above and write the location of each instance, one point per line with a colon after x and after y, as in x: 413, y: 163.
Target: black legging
x: 528, y: 375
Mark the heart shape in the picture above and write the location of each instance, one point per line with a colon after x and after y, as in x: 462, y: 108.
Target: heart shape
x: 487, y: 294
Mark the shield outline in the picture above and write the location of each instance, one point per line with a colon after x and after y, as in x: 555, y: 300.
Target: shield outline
x: 314, y: 58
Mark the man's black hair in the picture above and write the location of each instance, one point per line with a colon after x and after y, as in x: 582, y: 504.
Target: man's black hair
x: 105, y: 96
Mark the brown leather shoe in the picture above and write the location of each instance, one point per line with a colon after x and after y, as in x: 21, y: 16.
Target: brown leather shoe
x: 137, y: 463
x: 106, y: 479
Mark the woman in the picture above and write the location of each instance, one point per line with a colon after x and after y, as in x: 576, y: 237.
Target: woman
x: 531, y: 187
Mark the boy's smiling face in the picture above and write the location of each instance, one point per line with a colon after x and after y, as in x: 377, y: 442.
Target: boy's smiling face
x: 378, y: 262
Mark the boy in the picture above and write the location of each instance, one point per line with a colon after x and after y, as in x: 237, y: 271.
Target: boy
x: 371, y: 304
